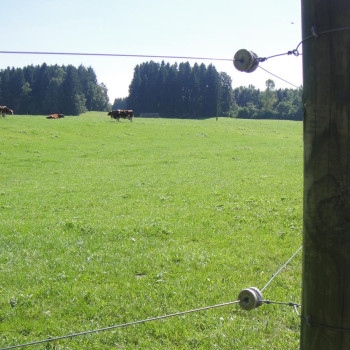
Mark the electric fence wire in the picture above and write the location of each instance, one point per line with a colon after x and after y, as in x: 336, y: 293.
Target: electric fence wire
x: 281, y: 303
x: 278, y: 77
x: 314, y: 34
x: 114, y: 55
x: 284, y: 265
x: 294, y: 305
x: 119, y: 326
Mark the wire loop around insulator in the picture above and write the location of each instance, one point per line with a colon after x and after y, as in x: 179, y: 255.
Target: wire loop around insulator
x: 294, y: 52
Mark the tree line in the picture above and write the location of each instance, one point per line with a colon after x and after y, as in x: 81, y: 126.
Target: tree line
x: 179, y: 90
x: 250, y: 102
x: 202, y: 91
x: 172, y: 90
x: 52, y: 89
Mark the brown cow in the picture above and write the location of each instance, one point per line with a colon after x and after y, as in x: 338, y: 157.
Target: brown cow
x: 5, y: 110
x: 55, y: 116
x: 122, y: 113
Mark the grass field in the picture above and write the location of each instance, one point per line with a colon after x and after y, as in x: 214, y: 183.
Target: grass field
x: 104, y: 223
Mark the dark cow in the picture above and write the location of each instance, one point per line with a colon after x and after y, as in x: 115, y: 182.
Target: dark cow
x: 55, y: 116
x: 122, y: 113
x: 5, y: 110
x: 115, y: 114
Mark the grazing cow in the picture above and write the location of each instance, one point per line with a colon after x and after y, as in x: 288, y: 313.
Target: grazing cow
x: 55, y: 116
x: 129, y: 114
x: 5, y: 110
x: 121, y: 113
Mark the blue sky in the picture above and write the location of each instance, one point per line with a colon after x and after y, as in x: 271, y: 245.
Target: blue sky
x: 191, y: 28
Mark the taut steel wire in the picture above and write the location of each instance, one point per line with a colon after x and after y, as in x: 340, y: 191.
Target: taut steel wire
x: 284, y: 265
x: 118, y: 326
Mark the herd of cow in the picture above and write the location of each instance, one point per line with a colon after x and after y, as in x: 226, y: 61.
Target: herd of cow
x: 115, y: 114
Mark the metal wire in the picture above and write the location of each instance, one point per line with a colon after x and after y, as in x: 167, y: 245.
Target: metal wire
x: 112, y: 55
x: 119, y: 326
x: 284, y: 265
x: 294, y: 52
x: 286, y: 81
x: 281, y: 303
x: 315, y: 34
x: 322, y: 325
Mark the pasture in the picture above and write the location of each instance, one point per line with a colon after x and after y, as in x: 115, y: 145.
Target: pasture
x: 104, y: 223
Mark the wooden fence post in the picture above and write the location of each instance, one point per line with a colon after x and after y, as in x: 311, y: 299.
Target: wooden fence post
x: 326, y: 248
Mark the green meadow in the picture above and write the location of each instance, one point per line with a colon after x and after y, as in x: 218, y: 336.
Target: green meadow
x: 105, y: 223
